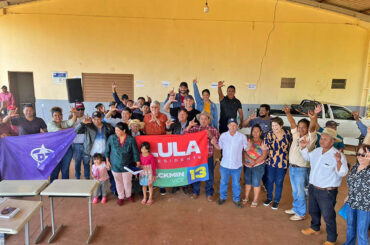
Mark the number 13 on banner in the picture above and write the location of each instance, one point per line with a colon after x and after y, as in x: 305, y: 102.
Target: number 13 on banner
x: 198, y: 173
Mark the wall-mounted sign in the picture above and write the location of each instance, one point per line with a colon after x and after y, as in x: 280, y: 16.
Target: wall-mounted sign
x: 59, y: 77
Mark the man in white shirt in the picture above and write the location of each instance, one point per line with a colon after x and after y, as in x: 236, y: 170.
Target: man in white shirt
x: 328, y: 167
x: 232, y: 144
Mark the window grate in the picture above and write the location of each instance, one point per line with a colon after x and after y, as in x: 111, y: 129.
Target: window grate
x: 338, y: 83
x: 287, y: 82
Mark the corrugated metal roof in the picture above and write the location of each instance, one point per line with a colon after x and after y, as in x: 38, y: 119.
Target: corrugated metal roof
x: 356, y: 8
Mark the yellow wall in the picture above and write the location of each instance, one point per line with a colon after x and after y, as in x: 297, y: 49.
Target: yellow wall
x: 173, y: 40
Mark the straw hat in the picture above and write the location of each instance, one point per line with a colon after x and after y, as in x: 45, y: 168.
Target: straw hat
x: 206, y: 114
x: 332, y: 133
x: 136, y: 121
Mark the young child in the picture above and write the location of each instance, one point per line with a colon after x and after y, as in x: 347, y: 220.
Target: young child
x: 147, y: 176
x: 100, y: 173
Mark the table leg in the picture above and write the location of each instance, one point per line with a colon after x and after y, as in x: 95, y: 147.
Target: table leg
x: 42, y: 228
x: 54, y: 232
x: 92, y: 231
x: 27, y: 238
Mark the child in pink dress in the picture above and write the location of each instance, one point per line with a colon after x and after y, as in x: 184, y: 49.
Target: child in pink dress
x: 100, y: 173
x: 147, y: 176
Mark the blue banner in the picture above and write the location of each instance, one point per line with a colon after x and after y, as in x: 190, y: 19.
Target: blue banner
x: 33, y: 157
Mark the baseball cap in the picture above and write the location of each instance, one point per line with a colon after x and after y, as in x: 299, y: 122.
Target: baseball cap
x: 112, y: 103
x: 79, y: 105
x: 97, y: 114
x: 232, y: 120
x: 185, y: 84
x: 331, y: 123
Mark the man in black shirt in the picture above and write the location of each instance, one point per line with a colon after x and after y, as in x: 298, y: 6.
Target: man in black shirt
x: 28, y: 124
x: 230, y: 106
x: 188, y: 101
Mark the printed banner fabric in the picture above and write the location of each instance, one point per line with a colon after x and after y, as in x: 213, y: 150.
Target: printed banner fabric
x: 180, y: 159
x: 33, y: 157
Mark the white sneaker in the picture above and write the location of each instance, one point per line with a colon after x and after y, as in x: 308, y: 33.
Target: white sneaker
x: 296, y: 217
x: 289, y: 211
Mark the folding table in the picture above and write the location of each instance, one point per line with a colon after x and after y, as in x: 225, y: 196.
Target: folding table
x: 24, y: 188
x: 20, y: 220
x: 70, y: 188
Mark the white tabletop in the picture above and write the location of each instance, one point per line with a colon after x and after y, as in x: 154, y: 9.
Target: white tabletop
x: 15, y: 224
x: 71, y: 187
x: 22, y: 187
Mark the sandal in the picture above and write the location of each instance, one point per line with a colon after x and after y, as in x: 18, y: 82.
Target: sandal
x: 245, y: 201
x: 149, y: 202
x: 143, y: 201
x: 254, y: 204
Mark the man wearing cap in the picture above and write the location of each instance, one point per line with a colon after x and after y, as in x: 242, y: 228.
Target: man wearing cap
x: 27, y: 124
x: 77, y: 144
x: 230, y: 107
x: 333, y: 125
x: 328, y: 167
x: 178, y: 98
x: 232, y: 143
x: 6, y: 98
x: 188, y: 102
x: 120, y: 103
x: 205, y: 120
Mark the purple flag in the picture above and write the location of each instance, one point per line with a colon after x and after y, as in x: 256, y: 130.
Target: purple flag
x: 33, y: 157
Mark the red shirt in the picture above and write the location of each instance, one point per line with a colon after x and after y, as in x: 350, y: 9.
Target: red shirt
x: 148, y: 160
x: 152, y: 128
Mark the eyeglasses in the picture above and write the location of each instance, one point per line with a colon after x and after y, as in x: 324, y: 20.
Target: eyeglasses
x: 361, y: 154
x: 80, y: 109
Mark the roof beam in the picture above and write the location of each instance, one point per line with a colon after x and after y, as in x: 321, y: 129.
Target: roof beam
x: 334, y: 8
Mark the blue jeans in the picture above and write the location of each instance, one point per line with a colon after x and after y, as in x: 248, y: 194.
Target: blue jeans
x: 62, y: 166
x: 224, y: 182
x: 209, y: 182
x: 357, y: 223
x: 79, y: 156
x: 322, y: 202
x: 275, y: 176
x: 298, y: 181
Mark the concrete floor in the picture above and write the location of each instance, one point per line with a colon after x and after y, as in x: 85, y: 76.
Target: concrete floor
x: 178, y: 219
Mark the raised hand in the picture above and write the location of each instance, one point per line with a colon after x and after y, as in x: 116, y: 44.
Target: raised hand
x: 169, y: 123
x: 13, y: 113
x: 87, y: 120
x: 356, y: 115
x: 172, y: 92
x: 367, y: 154
x: 252, y: 116
x: 195, y: 80
x: 114, y: 85
x: 192, y: 123
x: 148, y: 99
x: 221, y: 84
x: 286, y: 109
x: 304, y: 142
x: 318, y: 109
x: 172, y: 98
x: 113, y: 108
x: 73, y: 110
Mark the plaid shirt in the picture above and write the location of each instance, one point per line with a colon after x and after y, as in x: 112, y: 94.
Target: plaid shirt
x: 212, y: 130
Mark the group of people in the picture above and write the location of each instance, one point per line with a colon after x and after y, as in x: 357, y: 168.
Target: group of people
x: 313, y: 155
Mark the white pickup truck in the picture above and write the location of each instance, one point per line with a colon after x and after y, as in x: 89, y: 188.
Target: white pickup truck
x: 347, y: 128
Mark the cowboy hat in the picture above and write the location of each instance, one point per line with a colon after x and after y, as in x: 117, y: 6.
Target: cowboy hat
x: 206, y: 114
x: 136, y: 121
x: 332, y: 133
